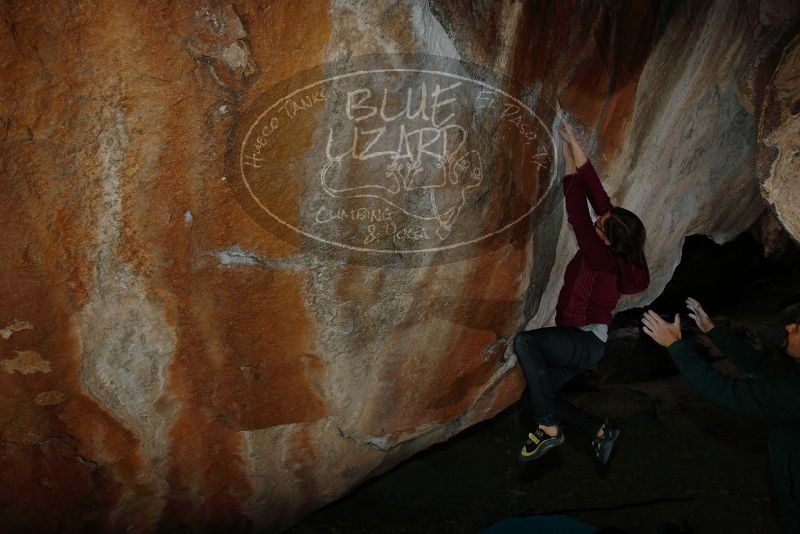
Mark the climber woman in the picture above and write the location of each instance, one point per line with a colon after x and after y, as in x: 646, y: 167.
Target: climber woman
x: 610, y: 262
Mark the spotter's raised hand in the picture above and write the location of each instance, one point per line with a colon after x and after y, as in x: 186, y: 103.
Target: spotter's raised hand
x: 662, y: 332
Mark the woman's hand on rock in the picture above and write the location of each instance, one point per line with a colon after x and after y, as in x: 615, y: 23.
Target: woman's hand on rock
x: 566, y: 131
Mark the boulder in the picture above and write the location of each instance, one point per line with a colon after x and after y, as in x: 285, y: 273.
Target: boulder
x: 779, y: 149
x: 170, y: 362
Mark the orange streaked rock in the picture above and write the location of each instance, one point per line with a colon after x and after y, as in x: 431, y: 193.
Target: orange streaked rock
x: 168, y: 363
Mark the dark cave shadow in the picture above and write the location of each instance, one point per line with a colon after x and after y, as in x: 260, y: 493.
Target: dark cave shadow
x: 536, y: 470
x: 728, y: 428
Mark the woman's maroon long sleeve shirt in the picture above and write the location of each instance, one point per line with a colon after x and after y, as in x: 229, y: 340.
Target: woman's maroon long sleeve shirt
x: 595, y: 278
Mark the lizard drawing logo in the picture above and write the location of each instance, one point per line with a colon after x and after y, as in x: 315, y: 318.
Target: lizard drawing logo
x: 394, y: 160
x: 436, y: 193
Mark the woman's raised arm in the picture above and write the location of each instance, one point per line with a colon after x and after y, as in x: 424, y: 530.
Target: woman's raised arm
x: 595, y: 192
x: 569, y: 161
x: 578, y: 156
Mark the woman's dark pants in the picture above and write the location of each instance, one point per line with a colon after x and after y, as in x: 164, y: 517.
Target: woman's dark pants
x: 550, y: 357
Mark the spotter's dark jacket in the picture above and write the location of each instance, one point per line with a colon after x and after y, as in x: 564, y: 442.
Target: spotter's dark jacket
x: 769, y: 392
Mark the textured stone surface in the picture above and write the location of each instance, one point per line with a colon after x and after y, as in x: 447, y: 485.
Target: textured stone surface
x: 779, y: 135
x: 167, y: 363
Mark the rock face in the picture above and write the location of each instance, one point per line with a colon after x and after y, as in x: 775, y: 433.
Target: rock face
x: 779, y: 136
x: 169, y: 363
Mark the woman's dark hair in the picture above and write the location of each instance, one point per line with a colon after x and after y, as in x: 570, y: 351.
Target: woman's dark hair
x: 627, y: 235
